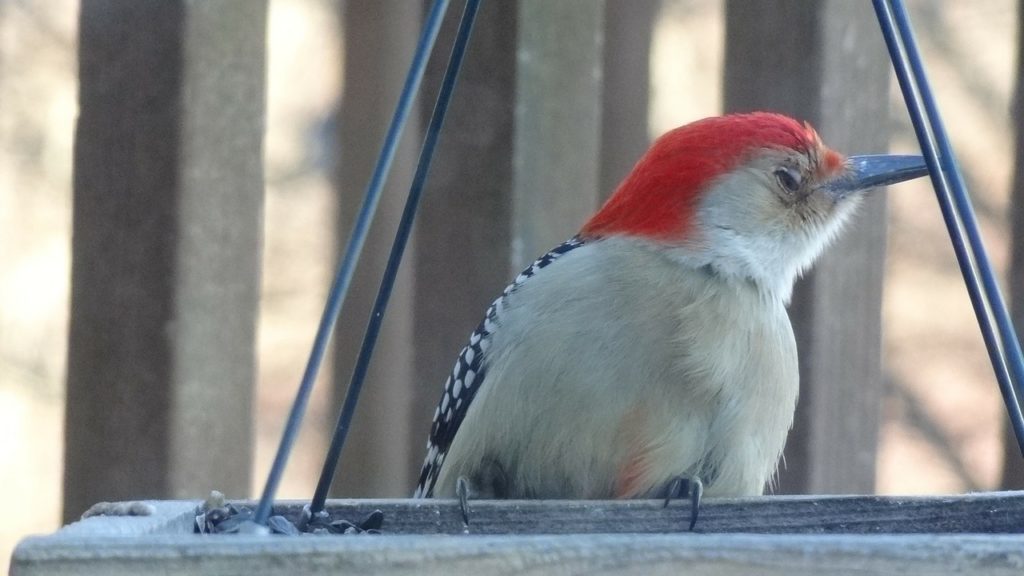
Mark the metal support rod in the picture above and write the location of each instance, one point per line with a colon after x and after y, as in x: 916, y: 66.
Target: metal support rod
x: 343, y: 279
x: 1003, y: 349
x: 395, y: 258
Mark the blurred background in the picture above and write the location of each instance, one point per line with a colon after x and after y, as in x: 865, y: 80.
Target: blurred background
x: 939, y: 423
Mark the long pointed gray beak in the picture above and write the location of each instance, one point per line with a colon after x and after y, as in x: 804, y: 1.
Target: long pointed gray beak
x: 872, y: 171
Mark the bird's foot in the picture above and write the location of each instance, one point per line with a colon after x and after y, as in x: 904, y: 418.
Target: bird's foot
x: 690, y: 486
x: 462, y: 491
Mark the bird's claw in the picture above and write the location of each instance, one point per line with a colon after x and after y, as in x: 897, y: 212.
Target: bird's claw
x: 462, y: 491
x: 691, y: 486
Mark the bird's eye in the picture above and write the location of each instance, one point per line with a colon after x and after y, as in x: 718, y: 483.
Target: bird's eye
x: 788, y: 178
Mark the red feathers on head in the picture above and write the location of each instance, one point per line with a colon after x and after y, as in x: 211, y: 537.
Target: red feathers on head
x: 658, y: 198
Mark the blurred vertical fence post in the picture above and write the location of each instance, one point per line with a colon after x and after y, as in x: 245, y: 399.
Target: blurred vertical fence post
x: 1013, y: 464
x: 825, y: 62
x: 380, y: 37
x: 463, y: 232
x: 515, y: 174
x: 517, y: 171
x: 168, y: 201
x: 557, y: 150
x: 628, y: 28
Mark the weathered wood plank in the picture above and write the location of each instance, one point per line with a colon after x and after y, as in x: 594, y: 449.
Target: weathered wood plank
x: 629, y: 554
x: 628, y: 30
x: 84, y: 550
x: 782, y: 535
x: 168, y: 204
x: 825, y: 62
x: 1013, y: 463
x: 464, y: 229
x: 379, y: 40
x: 999, y: 512
x: 557, y: 124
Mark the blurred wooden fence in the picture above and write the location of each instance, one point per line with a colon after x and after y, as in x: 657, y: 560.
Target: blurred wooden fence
x: 550, y: 112
x: 168, y: 202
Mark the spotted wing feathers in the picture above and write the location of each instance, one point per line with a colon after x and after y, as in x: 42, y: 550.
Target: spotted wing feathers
x: 468, y: 375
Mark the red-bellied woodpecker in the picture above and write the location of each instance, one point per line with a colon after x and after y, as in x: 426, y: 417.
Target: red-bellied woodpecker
x: 654, y: 346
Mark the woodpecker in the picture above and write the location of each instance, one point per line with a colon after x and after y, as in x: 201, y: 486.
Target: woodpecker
x: 653, y: 347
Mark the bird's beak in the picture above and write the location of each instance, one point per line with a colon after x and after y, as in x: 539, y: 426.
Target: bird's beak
x: 872, y: 171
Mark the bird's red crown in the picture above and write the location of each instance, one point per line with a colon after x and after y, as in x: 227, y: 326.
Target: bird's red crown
x: 658, y: 198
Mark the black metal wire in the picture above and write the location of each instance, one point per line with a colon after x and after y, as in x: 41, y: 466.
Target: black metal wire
x: 395, y: 259
x: 1003, y: 349
x: 339, y: 289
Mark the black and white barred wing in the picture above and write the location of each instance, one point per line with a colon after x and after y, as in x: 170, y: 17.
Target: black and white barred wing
x: 468, y: 375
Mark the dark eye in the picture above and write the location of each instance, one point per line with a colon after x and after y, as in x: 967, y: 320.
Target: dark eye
x: 788, y: 178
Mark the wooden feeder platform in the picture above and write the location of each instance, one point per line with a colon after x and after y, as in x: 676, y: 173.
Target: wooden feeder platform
x: 778, y: 535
